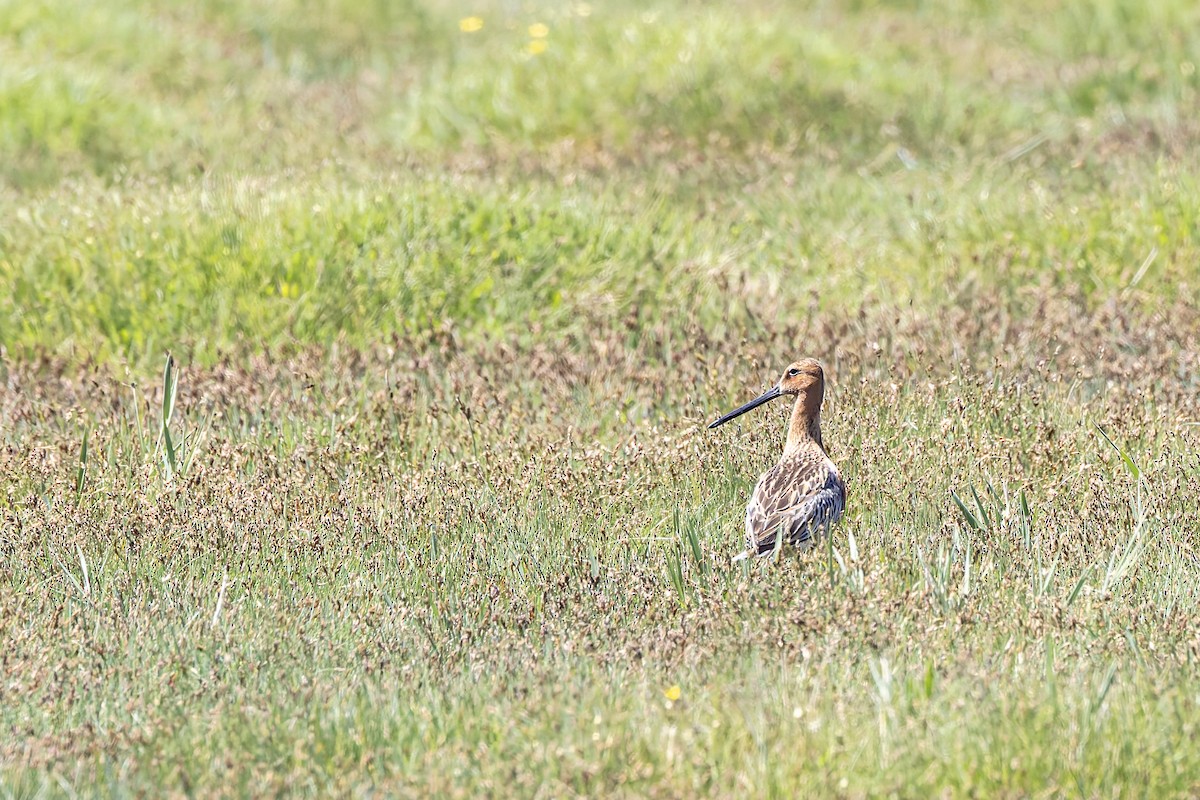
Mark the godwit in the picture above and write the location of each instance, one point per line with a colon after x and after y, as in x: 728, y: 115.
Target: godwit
x: 803, y: 494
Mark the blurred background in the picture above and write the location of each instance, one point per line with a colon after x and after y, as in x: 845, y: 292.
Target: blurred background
x: 203, y: 174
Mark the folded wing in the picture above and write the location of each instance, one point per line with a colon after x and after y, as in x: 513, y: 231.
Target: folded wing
x: 798, y: 498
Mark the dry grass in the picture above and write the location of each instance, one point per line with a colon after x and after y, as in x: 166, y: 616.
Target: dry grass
x: 447, y: 568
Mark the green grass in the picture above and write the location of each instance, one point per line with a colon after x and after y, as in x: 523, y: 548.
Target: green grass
x: 434, y: 512
x: 207, y: 267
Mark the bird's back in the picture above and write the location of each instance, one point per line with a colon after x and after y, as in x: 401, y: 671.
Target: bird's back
x: 800, y: 496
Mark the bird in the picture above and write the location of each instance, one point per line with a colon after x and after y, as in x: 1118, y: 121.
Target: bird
x: 804, y: 494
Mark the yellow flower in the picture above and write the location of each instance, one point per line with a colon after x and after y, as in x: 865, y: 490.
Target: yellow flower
x: 539, y: 31
x: 536, y: 46
x: 470, y: 24
x: 673, y: 693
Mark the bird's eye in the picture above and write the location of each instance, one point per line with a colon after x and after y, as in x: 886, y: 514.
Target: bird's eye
x: 793, y: 372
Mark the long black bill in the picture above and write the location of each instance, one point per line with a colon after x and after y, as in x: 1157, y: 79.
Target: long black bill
x: 765, y: 397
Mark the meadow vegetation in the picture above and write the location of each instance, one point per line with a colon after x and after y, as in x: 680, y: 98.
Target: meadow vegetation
x: 425, y: 504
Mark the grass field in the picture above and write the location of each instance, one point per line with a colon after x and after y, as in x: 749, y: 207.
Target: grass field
x: 451, y: 293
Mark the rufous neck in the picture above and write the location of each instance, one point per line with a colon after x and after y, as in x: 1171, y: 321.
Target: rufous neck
x: 805, y: 426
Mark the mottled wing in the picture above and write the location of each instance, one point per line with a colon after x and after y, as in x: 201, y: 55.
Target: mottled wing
x: 799, y: 496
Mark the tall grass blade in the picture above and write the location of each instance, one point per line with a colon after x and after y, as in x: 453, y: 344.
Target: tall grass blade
x: 675, y: 575
x: 1078, y: 585
x: 1026, y: 521
x: 169, y: 386
x: 83, y: 569
x: 1132, y: 467
x: 965, y: 588
x: 1105, y: 685
x: 983, y: 514
x: 693, y: 538
x: 966, y: 512
x: 216, y: 617
x: 82, y: 472
x: 169, y: 457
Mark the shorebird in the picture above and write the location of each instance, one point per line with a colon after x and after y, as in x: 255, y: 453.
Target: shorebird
x: 802, y: 495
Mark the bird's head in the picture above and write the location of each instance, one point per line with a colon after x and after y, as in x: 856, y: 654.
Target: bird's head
x: 802, y: 379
